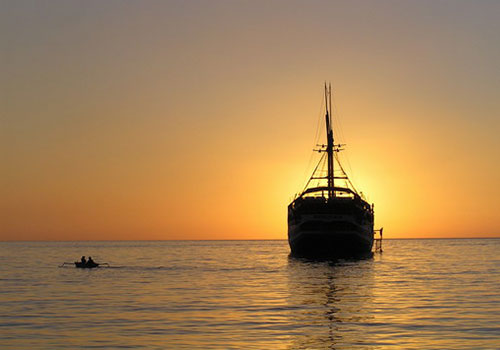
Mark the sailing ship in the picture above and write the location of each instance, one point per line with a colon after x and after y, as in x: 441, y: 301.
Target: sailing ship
x: 330, y: 219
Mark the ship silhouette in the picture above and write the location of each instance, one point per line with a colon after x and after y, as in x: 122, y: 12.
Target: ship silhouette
x: 330, y: 219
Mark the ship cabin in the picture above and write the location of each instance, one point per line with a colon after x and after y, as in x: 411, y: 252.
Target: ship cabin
x: 330, y: 200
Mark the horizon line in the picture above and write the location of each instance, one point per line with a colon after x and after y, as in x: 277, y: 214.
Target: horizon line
x: 228, y: 240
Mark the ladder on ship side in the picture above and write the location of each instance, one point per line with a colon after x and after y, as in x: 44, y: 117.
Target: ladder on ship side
x: 378, y: 240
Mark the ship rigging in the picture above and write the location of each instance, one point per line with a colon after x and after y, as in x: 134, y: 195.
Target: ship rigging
x: 330, y: 219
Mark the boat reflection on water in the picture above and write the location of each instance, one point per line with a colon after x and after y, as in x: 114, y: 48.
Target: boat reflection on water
x: 330, y: 300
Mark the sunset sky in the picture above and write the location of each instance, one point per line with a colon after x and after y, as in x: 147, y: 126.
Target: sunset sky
x: 196, y: 119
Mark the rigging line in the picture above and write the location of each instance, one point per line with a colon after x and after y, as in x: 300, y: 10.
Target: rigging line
x: 348, y: 180
x: 339, y: 125
x: 316, y: 139
x: 314, y: 171
x: 349, y: 166
x: 343, y: 138
x: 324, y: 169
x: 319, y: 124
x: 320, y: 170
x: 306, y: 170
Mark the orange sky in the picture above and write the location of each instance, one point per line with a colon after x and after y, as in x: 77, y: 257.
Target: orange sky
x: 196, y: 120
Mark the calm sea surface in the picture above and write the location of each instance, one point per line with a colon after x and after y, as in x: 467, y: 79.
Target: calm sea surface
x: 418, y: 294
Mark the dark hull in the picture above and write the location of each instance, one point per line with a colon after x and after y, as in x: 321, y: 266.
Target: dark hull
x: 86, y: 265
x: 330, y: 228
x: 329, y: 244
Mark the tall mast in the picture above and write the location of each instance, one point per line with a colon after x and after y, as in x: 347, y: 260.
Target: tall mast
x: 329, y: 136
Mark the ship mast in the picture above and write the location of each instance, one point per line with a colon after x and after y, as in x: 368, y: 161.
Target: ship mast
x: 329, y: 136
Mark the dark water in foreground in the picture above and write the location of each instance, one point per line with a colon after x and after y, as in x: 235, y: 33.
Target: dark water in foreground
x: 418, y: 294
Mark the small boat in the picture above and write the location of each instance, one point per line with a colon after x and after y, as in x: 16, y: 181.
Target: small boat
x: 86, y: 265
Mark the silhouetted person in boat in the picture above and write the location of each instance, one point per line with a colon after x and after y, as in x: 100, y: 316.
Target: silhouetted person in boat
x: 90, y: 261
x: 83, y: 260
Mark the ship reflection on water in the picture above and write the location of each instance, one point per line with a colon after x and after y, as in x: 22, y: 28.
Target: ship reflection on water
x: 330, y: 300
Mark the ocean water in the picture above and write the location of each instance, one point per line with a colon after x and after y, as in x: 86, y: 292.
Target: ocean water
x: 417, y: 294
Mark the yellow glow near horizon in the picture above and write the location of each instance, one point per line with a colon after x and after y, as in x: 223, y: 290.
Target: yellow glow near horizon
x: 165, y: 121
